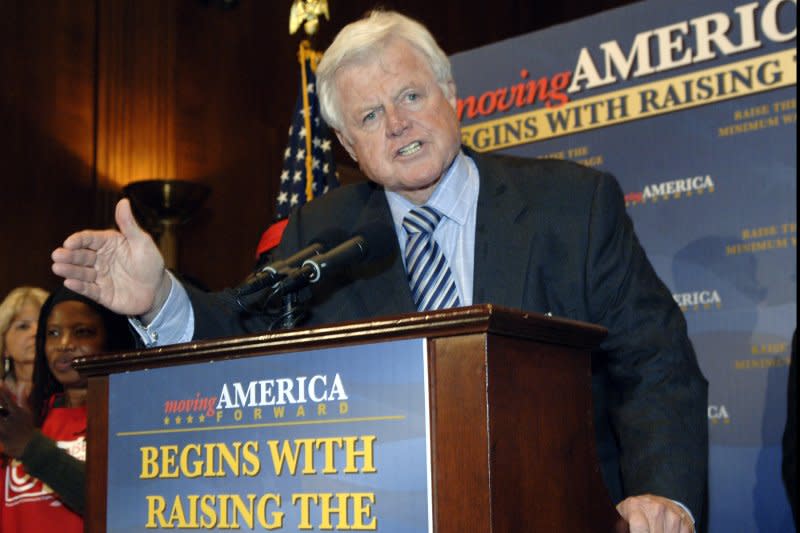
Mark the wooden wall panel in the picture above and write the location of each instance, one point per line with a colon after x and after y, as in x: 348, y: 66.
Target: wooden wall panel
x: 46, y: 133
x: 135, y: 94
x: 231, y: 117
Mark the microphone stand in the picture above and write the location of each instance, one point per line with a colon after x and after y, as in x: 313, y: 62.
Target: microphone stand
x: 292, y: 312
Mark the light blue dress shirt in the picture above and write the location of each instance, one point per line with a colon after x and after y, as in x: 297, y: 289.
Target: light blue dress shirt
x: 173, y: 324
x: 456, y: 198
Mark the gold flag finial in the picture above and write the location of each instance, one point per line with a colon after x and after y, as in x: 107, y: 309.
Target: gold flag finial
x: 307, y: 12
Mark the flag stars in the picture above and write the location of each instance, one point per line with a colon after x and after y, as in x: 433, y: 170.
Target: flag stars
x: 166, y: 420
x: 178, y: 421
x: 308, y: 164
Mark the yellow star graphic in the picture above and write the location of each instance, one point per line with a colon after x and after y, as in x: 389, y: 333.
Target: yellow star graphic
x: 178, y: 420
x: 189, y: 419
x: 166, y: 420
x: 202, y: 418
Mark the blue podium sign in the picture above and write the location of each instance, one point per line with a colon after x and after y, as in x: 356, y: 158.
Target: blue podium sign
x: 329, y: 439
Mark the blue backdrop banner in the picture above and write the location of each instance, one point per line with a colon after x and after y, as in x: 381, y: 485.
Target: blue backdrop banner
x: 692, y: 106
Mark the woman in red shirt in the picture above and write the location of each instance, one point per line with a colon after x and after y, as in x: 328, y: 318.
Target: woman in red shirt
x: 43, y: 476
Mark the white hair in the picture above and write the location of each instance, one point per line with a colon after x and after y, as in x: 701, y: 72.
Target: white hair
x: 365, y: 39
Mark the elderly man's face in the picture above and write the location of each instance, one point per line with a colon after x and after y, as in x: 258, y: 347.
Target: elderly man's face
x: 398, y: 124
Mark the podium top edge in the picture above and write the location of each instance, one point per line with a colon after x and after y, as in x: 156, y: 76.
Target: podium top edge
x: 485, y: 318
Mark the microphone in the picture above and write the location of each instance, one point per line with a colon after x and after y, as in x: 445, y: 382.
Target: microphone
x: 371, y: 242
x: 272, y: 273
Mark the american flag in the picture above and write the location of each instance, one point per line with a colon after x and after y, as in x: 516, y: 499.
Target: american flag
x: 308, y: 166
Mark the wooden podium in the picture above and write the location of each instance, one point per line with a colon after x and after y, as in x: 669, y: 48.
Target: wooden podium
x: 512, y: 438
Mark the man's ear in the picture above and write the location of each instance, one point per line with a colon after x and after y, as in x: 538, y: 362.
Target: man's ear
x: 451, y: 97
x: 345, y: 142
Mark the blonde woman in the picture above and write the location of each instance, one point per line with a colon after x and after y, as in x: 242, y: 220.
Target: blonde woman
x: 19, y: 315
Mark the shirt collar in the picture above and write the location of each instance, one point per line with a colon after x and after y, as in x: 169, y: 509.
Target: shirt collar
x: 453, y: 196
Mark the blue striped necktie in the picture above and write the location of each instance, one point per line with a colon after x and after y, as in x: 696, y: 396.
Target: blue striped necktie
x: 429, y: 276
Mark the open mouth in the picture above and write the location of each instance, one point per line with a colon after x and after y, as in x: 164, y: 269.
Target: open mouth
x: 410, y: 149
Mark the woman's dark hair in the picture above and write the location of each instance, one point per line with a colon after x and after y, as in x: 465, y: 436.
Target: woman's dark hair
x: 45, y: 385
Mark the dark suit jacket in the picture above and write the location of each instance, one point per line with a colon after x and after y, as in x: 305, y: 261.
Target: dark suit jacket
x: 551, y: 236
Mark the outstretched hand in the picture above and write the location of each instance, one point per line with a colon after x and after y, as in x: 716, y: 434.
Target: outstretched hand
x: 122, y: 270
x: 654, y: 514
x: 16, y: 424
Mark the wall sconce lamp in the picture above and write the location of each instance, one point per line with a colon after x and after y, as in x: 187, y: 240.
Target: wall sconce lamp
x: 164, y: 205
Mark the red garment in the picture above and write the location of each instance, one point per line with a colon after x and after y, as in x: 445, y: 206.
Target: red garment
x: 30, y: 506
x: 271, y: 237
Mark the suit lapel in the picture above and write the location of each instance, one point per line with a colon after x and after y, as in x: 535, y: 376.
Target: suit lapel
x: 382, y: 287
x: 502, y: 247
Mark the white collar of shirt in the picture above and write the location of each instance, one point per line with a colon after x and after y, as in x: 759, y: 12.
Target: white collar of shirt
x: 454, y: 196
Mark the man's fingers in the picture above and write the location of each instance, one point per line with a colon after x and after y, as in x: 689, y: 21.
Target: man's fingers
x: 89, y: 239
x: 654, y: 514
x: 79, y: 279
x: 90, y: 290
x: 637, y: 522
x: 686, y: 524
x: 76, y: 272
x: 80, y: 257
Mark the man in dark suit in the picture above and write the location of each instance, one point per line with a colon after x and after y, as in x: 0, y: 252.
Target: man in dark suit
x: 542, y: 236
